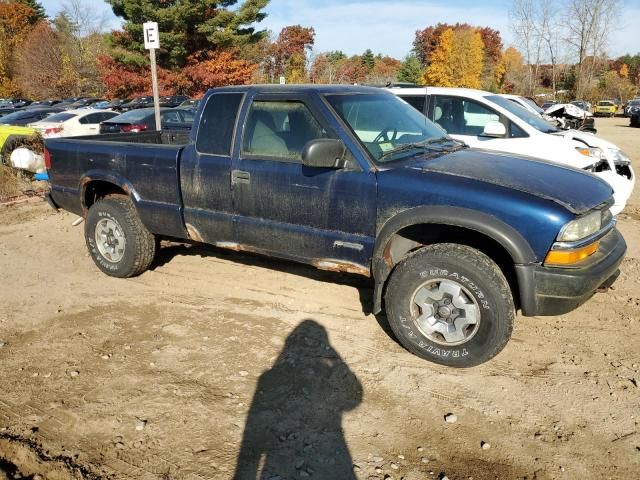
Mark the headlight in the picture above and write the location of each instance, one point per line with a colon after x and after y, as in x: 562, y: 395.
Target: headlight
x: 581, y: 227
x: 593, y: 152
x: 621, y: 158
x: 569, y: 249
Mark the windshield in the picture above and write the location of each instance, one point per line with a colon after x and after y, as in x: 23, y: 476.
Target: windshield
x: 523, y: 114
x: 634, y: 102
x: 532, y: 104
x: 388, y: 127
x: 605, y: 104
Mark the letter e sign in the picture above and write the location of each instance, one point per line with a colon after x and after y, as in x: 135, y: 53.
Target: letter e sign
x: 151, y: 35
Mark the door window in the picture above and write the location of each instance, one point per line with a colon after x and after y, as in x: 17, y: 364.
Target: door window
x: 280, y: 129
x: 462, y: 116
x: 91, y: 119
x: 170, y: 117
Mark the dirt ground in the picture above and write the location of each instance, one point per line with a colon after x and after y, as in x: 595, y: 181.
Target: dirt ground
x: 215, y: 359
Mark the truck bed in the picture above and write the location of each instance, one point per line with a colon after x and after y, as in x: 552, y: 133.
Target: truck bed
x: 146, y: 164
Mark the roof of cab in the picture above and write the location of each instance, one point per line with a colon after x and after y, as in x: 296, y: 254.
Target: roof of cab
x: 321, y: 89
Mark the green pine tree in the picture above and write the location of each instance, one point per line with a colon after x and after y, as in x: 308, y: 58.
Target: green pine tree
x: 411, y: 70
x: 368, y: 59
x: 186, y: 27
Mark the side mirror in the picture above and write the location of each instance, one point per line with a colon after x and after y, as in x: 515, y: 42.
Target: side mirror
x: 494, y: 129
x: 324, y: 153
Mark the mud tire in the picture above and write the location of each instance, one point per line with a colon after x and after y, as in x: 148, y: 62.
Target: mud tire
x: 479, y: 275
x: 140, y: 248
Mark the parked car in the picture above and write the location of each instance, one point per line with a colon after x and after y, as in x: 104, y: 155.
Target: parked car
x: 586, y: 106
x: 492, y: 122
x: 83, y: 102
x: 6, y: 111
x: 634, y: 120
x: 173, y: 101
x: 352, y: 179
x: 548, y: 104
x: 605, y: 108
x: 44, y: 103
x: 117, y: 103
x: 73, y: 123
x: 15, y: 103
x: 26, y: 116
x: 190, y: 103
x: 138, y: 102
x: 142, y: 119
x: 13, y: 129
x: 632, y: 107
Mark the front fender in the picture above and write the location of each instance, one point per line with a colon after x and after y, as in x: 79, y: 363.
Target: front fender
x: 510, y: 239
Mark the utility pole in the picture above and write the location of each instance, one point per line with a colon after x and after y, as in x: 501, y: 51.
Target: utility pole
x: 151, y: 43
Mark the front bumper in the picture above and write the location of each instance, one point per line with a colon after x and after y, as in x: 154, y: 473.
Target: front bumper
x: 554, y: 290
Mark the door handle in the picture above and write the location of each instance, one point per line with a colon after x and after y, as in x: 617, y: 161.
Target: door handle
x: 239, y: 176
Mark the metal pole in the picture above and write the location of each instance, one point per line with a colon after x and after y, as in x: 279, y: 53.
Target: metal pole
x: 154, y: 81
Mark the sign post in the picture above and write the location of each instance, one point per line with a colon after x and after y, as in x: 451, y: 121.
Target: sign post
x: 151, y: 43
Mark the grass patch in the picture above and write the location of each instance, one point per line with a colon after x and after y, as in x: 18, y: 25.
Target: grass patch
x: 12, y: 182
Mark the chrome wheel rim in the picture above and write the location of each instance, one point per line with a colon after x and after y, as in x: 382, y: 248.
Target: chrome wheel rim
x: 110, y: 240
x: 445, y: 312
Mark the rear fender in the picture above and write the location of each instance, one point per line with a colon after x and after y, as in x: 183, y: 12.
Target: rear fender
x: 108, y: 177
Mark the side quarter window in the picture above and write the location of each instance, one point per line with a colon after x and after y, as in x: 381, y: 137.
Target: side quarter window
x: 280, y: 129
x: 215, y: 132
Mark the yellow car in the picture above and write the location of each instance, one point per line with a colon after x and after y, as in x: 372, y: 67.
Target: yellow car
x: 11, y: 137
x: 605, y: 108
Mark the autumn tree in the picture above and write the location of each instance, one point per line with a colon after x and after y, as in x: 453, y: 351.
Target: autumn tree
x: 290, y: 53
x: 511, y: 73
x: 37, y: 7
x: 457, y: 61
x: 16, y: 21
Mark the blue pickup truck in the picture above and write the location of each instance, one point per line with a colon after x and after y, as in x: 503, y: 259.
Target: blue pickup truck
x: 353, y: 179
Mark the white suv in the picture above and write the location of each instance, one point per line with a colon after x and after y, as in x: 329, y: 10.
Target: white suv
x: 492, y: 122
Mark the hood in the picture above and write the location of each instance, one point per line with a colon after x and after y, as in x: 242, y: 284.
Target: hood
x: 575, y: 190
x: 589, y: 138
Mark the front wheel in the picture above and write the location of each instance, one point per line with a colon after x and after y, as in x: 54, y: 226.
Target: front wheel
x: 450, y: 304
x: 118, y: 242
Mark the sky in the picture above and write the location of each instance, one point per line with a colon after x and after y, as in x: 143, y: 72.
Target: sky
x: 388, y: 26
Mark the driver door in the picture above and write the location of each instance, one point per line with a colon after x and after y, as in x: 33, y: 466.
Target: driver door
x: 282, y: 207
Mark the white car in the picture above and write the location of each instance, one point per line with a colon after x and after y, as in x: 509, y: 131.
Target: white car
x: 73, y: 123
x: 492, y: 122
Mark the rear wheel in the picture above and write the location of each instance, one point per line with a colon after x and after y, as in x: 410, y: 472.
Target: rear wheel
x: 120, y: 245
x: 450, y: 304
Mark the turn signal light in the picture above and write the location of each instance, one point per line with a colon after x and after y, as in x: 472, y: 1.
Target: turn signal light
x: 569, y: 257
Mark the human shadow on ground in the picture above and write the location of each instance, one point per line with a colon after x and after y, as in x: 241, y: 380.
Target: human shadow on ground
x: 294, y: 427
